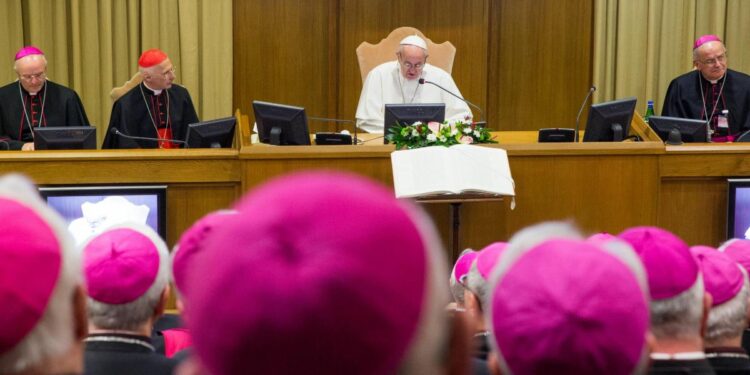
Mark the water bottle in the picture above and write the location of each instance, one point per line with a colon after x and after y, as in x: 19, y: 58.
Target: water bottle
x: 649, y: 110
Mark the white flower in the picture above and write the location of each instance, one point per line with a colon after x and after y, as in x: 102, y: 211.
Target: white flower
x: 417, y: 123
x: 454, y: 131
x: 467, y: 130
x: 431, y: 137
x: 476, y: 133
x: 414, y: 132
x: 443, y: 139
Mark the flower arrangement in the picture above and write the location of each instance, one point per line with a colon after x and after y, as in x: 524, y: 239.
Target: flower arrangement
x: 438, y: 134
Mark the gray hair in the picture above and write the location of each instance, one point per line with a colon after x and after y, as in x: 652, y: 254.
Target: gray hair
x: 457, y: 288
x: 29, y: 57
x: 130, y: 316
x: 679, y: 317
x: 476, y: 284
x: 696, y: 52
x: 729, y: 319
x: 54, y: 333
x: 400, y: 50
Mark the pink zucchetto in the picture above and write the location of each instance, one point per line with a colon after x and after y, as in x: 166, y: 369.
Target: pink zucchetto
x: 739, y: 251
x: 28, y: 50
x: 722, y: 277
x: 191, y: 243
x: 309, y: 267
x: 670, y: 267
x: 121, y: 263
x: 488, y: 257
x: 568, y: 306
x: 463, y: 264
x: 705, y: 39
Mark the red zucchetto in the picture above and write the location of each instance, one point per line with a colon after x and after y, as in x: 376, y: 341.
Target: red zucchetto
x: 151, y: 57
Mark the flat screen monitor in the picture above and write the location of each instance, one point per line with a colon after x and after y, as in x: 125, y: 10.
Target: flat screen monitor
x: 217, y: 133
x: 610, y: 121
x: 65, y: 138
x: 738, y: 208
x: 89, y: 209
x: 407, y: 114
x: 681, y: 129
x: 280, y: 124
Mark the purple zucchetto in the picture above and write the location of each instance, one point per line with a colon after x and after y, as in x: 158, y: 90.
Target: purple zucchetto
x: 26, y: 51
x: 488, y: 257
x: 670, y: 267
x: 567, y: 306
x: 122, y: 263
x: 344, y: 276
x: 739, y: 251
x: 463, y: 265
x: 705, y: 39
x: 722, y: 277
x: 191, y: 243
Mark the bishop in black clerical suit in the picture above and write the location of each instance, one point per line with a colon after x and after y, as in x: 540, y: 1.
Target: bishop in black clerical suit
x: 156, y: 109
x: 34, y: 101
x: 711, y: 91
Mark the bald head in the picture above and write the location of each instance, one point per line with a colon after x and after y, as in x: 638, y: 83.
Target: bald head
x: 31, y: 71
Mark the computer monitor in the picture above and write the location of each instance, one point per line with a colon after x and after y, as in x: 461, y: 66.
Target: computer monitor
x: 407, y: 114
x: 89, y: 209
x: 681, y: 129
x: 65, y: 138
x: 609, y: 121
x: 211, y: 134
x: 280, y: 124
x: 738, y: 208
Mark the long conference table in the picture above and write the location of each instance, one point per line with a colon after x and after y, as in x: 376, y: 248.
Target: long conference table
x: 599, y: 186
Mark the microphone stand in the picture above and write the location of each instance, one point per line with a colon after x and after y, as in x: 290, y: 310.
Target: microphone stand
x: 117, y: 132
x: 422, y: 81
x: 578, y: 118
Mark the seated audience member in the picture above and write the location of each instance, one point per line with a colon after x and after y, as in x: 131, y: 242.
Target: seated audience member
x: 33, y: 101
x: 728, y: 285
x: 397, y: 82
x: 156, y: 108
x: 711, y: 92
x: 43, y: 303
x: 477, y: 292
x: 458, y: 275
x: 739, y: 251
x: 561, y: 305
x: 324, y: 282
x: 173, y: 339
x: 127, y: 273
x: 679, y: 304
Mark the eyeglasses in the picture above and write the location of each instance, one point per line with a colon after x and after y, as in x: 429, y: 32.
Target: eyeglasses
x: 31, y: 77
x: 718, y: 59
x: 409, y: 65
x: 172, y: 71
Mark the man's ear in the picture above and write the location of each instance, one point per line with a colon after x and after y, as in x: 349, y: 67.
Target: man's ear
x: 80, y: 315
x: 162, y: 305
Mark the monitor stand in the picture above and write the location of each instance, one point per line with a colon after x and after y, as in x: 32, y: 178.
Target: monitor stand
x: 275, y: 136
x: 617, y: 131
x: 674, y: 138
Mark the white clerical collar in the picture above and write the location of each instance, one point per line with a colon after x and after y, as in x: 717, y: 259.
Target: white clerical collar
x: 156, y: 92
x: 685, y: 356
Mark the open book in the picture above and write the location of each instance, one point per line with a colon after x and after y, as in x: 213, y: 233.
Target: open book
x: 451, y: 170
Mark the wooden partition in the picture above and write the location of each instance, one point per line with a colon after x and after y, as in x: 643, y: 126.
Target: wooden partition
x: 198, y: 181
x: 527, y: 63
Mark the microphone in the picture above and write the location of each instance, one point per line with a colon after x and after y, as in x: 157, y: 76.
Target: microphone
x: 578, y: 118
x: 355, y: 141
x: 422, y: 81
x: 117, y: 132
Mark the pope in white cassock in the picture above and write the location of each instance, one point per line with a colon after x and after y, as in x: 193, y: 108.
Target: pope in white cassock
x: 397, y: 82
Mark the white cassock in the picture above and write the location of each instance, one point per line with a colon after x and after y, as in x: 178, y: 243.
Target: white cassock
x: 385, y: 85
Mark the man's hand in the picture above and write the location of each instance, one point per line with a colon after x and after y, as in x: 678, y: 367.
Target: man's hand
x: 28, y: 146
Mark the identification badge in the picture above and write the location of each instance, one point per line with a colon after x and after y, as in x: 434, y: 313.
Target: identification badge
x: 722, y: 122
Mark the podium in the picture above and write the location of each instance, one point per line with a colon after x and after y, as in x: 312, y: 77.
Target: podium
x: 455, y: 201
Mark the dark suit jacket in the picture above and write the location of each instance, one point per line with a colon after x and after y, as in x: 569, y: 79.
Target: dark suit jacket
x: 120, y: 358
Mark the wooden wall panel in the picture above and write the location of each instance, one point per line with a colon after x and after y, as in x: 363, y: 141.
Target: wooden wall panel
x: 541, y: 62
x: 527, y: 63
x: 283, y: 53
x: 695, y: 209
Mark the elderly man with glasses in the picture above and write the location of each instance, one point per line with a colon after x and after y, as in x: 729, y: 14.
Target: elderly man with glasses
x: 33, y: 101
x: 398, y: 82
x: 711, y: 92
x: 158, y: 111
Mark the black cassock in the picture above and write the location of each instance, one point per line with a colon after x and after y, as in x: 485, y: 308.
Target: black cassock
x: 55, y: 105
x: 684, y: 100
x: 140, y: 112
